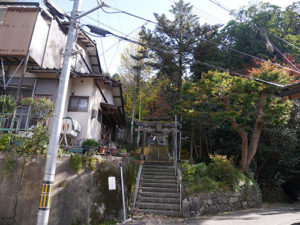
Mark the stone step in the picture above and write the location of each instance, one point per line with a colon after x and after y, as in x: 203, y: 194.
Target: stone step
x: 159, y: 194
x: 159, y: 200
x: 162, y: 173
x: 158, y: 189
x: 161, y: 212
x: 158, y: 166
x: 159, y: 177
x: 161, y: 163
x: 158, y: 170
x: 165, y: 180
x: 159, y: 185
x: 147, y: 205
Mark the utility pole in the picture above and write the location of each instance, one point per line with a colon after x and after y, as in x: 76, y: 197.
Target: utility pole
x: 44, y: 209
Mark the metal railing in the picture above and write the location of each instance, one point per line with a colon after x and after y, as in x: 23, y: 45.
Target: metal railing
x: 137, y: 184
x: 20, y: 121
x: 179, y: 185
x: 10, y: 122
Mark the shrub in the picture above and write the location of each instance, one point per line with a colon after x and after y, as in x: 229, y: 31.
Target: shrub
x: 221, y: 169
x: 76, y: 162
x: 7, y: 104
x: 90, y: 143
x: 36, y: 144
x: 205, y: 184
x: 219, y: 175
x: 195, y: 171
x: 4, y: 142
x: 90, y: 162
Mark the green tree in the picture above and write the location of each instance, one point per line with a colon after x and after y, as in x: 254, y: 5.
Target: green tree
x: 172, y: 44
x: 246, y: 104
x: 253, y: 31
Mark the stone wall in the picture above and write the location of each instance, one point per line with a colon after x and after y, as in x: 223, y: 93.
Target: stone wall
x: 213, y: 203
x: 76, y: 198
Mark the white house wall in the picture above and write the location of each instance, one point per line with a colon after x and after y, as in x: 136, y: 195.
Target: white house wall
x: 90, y: 128
x: 55, y: 47
x: 107, y: 91
x: 77, y: 61
x: 94, y: 126
x: 39, y: 39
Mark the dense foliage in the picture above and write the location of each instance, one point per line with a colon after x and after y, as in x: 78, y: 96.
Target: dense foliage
x: 218, y: 175
x: 35, y: 139
x: 239, y: 117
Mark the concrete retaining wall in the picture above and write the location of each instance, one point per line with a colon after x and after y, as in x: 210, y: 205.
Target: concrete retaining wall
x: 77, y: 198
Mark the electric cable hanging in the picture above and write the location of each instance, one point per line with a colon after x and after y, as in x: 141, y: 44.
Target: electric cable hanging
x: 213, y: 66
x: 239, y: 74
x: 222, y: 69
x: 286, y: 58
x: 114, y: 54
x: 232, y: 49
x: 257, y: 26
x: 103, y: 54
x: 263, y: 31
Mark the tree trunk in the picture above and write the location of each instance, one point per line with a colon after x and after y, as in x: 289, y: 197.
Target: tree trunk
x: 243, y: 134
x: 244, y: 154
x: 249, y: 152
x: 257, y: 129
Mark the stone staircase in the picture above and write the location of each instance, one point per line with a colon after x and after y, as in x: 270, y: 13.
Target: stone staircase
x: 158, y: 192
x: 158, y: 153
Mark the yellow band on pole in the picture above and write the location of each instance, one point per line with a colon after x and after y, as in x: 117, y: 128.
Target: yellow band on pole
x: 46, y: 195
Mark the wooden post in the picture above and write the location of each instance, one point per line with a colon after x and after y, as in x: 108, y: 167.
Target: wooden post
x: 179, y: 157
x: 175, y: 141
x: 173, y: 146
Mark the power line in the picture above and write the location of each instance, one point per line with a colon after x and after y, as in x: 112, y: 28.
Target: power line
x: 260, y: 29
x: 209, y: 15
x: 249, y: 55
x: 286, y: 58
x: 257, y: 26
x: 239, y: 74
x: 104, y: 55
x: 130, y: 14
x: 118, y: 41
x: 114, y: 54
x: 220, y: 68
x: 232, y: 49
x: 97, y: 21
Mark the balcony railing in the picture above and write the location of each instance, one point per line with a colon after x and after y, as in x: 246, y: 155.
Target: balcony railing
x: 19, y: 121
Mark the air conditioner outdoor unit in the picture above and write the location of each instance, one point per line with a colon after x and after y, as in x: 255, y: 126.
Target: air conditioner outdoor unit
x: 70, y: 127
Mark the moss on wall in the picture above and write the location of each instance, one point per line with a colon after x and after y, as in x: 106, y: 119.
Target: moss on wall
x: 94, y: 204
x: 111, y: 200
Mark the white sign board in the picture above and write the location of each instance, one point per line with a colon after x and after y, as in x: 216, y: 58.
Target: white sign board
x: 111, y: 183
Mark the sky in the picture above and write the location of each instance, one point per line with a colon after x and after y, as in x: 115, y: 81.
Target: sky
x: 110, y: 48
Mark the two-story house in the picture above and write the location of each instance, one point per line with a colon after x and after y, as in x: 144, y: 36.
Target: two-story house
x: 32, y: 44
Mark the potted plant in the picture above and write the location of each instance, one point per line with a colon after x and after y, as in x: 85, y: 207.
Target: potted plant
x: 90, y: 144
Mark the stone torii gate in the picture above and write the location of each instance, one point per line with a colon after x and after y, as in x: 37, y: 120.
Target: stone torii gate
x: 152, y: 127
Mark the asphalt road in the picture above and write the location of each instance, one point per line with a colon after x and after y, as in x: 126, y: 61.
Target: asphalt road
x: 275, y: 214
